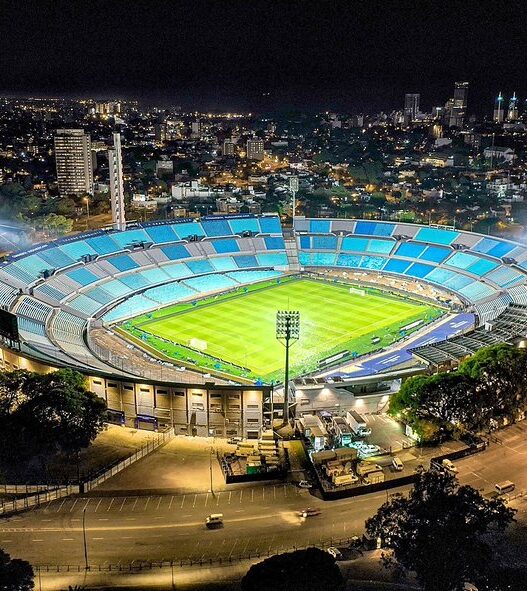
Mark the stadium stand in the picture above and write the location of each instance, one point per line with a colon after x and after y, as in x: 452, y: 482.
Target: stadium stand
x: 57, y: 289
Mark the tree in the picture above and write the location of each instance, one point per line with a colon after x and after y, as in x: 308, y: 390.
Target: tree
x: 309, y: 570
x: 41, y: 414
x: 438, y: 530
x: 15, y: 574
x: 55, y: 225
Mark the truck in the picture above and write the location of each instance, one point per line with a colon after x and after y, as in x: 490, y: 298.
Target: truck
x: 342, y: 431
x: 357, y: 423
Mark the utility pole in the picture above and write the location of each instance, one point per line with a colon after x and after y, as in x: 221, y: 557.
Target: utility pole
x: 287, y: 332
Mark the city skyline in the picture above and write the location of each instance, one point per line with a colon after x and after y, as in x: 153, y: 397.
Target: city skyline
x: 247, y: 57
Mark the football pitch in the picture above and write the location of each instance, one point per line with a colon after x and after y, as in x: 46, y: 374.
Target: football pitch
x: 235, y: 333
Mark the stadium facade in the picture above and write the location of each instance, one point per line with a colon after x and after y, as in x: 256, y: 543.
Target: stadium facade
x: 67, y: 294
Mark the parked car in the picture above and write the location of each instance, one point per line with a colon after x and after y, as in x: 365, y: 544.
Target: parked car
x: 309, y: 512
x: 449, y: 466
x: 335, y: 552
x: 234, y: 440
x: 214, y: 520
x: 304, y: 484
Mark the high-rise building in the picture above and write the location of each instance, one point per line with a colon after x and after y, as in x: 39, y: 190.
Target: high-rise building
x: 160, y: 131
x: 108, y: 108
x: 73, y: 160
x: 195, y: 129
x: 498, y: 109
x: 512, y: 112
x: 255, y: 149
x: 411, y: 107
x: 115, y: 164
x: 458, y: 108
x: 229, y: 147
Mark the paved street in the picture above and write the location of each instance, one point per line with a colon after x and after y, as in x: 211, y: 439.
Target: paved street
x: 121, y: 528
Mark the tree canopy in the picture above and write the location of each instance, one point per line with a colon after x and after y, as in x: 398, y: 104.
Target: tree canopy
x: 489, y: 386
x: 40, y: 414
x: 309, y: 570
x: 15, y: 574
x: 437, y: 531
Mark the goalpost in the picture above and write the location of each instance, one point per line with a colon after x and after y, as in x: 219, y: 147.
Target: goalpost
x: 357, y: 291
x: 198, y: 344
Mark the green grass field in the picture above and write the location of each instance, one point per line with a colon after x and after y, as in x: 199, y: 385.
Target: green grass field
x: 239, y: 329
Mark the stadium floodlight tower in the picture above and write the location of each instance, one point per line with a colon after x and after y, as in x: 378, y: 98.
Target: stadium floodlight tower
x: 287, y: 332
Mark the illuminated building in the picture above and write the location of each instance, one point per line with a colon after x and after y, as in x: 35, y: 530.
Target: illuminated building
x: 73, y: 160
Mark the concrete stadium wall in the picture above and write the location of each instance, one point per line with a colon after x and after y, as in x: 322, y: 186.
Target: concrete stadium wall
x: 201, y: 410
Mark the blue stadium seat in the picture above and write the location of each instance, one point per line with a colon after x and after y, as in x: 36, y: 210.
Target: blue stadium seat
x: 253, y: 276
x: 274, y: 243
x: 177, y: 270
x: 100, y: 295
x: 216, y: 227
x: 348, y: 260
x: 324, y: 242
x: 482, y: 266
x: 223, y: 263
x: 82, y: 276
x: 354, y: 244
x: 117, y: 288
x: 270, y: 225
x: 440, y: 276
x: 305, y: 242
x: 374, y: 263
x: 245, y: 261
x: 199, y: 267
x: 155, y: 275
x: 374, y: 228
x: 436, y: 236
x: 410, y: 250
x: 272, y: 260
x: 175, y: 252
x: 377, y: 246
x: 319, y: 226
x: 56, y: 258
x: 495, y: 248
x: 462, y: 260
x: 419, y: 270
x: 103, y: 245
x: 186, y: 229
x: 162, y: 234
x: 76, y: 250
x: 127, y: 238
x: 226, y: 245
x: 123, y: 262
x: 241, y: 225
x: 396, y: 266
x: 458, y: 282
x: 135, y: 280
x: 505, y: 277
x: 170, y: 293
x: 435, y: 254
x: 207, y: 283
x: 84, y: 304
x: 477, y: 291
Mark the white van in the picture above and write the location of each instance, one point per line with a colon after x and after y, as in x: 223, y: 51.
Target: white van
x: 505, y: 487
x: 449, y: 466
x: 397, y: 464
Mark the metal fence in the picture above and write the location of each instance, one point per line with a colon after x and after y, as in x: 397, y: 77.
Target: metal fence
x: 21, y: 504
x: 145, y: 565
x: 159, y: 440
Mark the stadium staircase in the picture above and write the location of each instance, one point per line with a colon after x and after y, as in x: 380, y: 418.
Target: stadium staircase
x: 292, y: 253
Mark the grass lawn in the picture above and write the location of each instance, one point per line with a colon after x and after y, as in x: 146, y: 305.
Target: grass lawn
x: 239, y: 330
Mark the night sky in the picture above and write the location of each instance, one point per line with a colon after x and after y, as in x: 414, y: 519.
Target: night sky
x: 349, y: 55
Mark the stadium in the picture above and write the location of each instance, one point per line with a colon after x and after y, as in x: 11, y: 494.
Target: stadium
x: 173, y: 322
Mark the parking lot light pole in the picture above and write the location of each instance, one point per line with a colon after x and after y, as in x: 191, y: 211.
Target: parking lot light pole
x: 84, y: 538
x: 287, y: 332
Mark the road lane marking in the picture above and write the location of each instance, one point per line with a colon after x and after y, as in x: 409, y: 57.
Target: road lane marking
x: 182, y: 501
x: 67, y: 539
x: 159, y: 503
x: 230, y: 495
x: 194, y: 503
x: 64, y: 500
x: 218, y: 499
x: 73, y: 506
x: 206, y: 499
x: 100, y: 501
x: 122, y: 504
x: 171, y: 500
x: 97, y: 538
x: 252, y: 495
x: 274, y: 492
x: 87, y: 503
x: 135, y: 503
x: 110, y: 505
x: 241, y: 495
x: 146, y: 504
x: 37, y: 540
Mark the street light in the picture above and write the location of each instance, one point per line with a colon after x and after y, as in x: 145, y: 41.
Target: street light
x: 84, y: 538
x: 87, y: 201
x: 287, y: 332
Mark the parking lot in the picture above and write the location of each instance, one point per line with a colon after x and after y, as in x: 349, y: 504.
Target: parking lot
x: 387, y: 433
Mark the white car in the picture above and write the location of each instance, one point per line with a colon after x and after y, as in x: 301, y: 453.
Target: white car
x: 449, y: 466
x: 335, y: 552
x: 304, y: 484
x: 369, y: 448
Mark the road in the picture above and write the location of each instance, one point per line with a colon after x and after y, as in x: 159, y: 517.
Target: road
x: 125, y: 529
